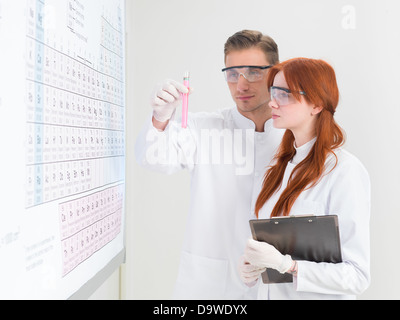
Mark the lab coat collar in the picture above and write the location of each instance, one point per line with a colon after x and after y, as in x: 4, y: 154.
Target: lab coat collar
x: 303, y: 151
x: 244, y: 123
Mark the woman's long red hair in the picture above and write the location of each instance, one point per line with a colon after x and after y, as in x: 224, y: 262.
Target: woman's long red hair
x: 318, y: 80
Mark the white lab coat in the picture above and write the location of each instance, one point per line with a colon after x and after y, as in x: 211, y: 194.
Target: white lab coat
x: 225, y: 182
x: 345, y: 191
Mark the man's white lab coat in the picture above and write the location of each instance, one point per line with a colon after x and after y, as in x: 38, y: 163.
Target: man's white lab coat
x: 227, y: 160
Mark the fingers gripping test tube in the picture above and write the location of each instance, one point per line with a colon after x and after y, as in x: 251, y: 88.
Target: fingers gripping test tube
x: 185, y: 100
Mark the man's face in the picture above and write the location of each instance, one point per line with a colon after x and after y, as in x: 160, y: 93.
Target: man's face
x: 249, y: 96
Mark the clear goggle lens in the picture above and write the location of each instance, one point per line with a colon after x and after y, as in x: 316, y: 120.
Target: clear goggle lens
x: 283, y: 96
x: 250, y: 73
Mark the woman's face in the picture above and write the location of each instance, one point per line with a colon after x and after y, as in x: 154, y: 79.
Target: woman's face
x: 289, y: 113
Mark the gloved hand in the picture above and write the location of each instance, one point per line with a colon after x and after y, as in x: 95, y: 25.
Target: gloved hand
x: 263, y: 255
x: 166, y: 98
x: 249, y: 273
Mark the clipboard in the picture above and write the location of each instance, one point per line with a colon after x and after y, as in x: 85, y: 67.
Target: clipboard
x: 311, y: 238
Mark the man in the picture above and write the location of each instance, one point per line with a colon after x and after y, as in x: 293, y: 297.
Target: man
x: 226, y: 153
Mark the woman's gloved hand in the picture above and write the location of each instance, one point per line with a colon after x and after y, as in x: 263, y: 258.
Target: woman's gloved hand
x: 263, y: 255
x: 249, y: 273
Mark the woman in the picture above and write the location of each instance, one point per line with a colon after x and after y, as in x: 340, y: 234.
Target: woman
x: 311, y: 174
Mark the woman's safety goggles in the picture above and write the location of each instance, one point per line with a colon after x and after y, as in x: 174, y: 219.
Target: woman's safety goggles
x: 283, y: 96
x: 250, y: 73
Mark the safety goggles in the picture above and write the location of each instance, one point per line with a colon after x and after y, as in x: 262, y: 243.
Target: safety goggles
x: 250, y: 73
x: 283, y: 96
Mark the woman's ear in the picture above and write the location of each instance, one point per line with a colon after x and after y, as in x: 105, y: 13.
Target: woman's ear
x: 316, y: 110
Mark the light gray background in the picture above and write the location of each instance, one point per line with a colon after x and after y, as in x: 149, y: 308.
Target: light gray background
x: 166, y: 38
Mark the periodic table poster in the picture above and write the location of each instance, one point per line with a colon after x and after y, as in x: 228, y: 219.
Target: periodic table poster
x: 62, y: 140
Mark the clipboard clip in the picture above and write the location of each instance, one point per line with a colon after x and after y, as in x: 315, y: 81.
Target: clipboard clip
x: 296, y: 216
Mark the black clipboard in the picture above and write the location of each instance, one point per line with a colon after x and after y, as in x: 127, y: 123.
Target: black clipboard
x: 311, y: 238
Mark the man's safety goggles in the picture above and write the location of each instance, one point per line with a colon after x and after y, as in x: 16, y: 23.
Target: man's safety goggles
x: 283, y: 96
x: 250, y: 73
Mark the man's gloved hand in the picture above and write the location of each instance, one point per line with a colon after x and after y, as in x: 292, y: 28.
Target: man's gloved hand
x: 249, y: 273
x: 263, y: 255
x: 166, y: 98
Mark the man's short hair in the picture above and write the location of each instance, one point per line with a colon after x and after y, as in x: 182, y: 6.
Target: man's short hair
x: 247, y: 39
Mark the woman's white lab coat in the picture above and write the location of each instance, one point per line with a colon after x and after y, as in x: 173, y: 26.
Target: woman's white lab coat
x: 345, y: 191
x: 226, y: 159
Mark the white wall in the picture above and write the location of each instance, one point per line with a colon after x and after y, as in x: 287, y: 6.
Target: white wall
x: 165, y: 38
x: 110, y: 289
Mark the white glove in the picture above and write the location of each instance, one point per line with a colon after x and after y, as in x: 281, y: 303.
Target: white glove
x: 166, y: 98
x: 264, y: 255
x: 249, y: 273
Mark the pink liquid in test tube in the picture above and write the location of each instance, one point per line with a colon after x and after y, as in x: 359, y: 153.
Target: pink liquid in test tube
x: 185, y: 100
